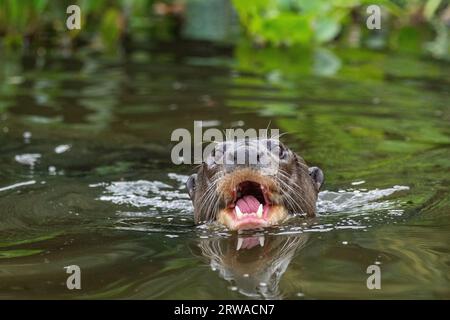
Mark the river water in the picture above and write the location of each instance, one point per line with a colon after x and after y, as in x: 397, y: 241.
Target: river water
x: 86, y: 176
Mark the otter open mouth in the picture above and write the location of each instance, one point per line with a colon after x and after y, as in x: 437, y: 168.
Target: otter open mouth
x: 250, y: 205
x: 251, y: 200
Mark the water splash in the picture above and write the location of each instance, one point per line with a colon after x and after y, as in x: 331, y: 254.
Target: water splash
x: 353, y: 200
x: 158, y: 206
x: 28, y: 159
x: 154, y: 196
x: 62, y: 148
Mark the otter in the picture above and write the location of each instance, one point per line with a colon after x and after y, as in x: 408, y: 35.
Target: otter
x: 253, y: 183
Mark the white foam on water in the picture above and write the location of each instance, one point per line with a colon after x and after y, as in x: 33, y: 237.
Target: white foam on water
x: 155, y: 198
x: 155, y: 195
x: 62, y: 148
x: 351, y: 201
x: 28, y: 159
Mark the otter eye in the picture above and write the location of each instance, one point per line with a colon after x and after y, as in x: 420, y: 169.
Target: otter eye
x: 279, y: 150
x: 282, y: 153
x: 218, y: 153
x: 268, y: 144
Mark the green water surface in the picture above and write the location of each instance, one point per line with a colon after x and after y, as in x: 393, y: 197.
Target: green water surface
x: 86, y: 177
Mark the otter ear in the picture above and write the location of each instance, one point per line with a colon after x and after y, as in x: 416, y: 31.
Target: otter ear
x: 317, y: 176
x: 190, y: 185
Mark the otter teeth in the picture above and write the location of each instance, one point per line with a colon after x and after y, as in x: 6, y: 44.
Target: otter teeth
x: 239, y: 244
x: 261, y: 241
x: 239, y: 214
x: 260, y: 211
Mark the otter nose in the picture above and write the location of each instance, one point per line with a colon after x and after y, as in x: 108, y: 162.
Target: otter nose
x: 245, y: 155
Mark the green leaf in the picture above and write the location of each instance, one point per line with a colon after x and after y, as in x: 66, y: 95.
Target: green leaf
x: 326, y: 30
x: 430, y: 8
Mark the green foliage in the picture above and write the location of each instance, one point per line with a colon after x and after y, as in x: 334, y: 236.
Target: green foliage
x: 108, y: 19
x: 290, y: 21
x: 412, y: 26
x: 409, y: 24
x: 20, y: 17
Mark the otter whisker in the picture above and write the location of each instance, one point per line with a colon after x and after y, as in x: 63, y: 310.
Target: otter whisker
x: 209, y: 195
x: 212, y: 199
x: 208, y: 201
x: 293, y: 183
x: 292, y: 202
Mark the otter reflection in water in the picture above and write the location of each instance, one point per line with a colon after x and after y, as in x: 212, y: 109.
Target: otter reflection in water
x: 254, y: 264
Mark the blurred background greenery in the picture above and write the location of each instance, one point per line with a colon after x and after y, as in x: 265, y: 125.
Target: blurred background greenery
x: 413, y: 26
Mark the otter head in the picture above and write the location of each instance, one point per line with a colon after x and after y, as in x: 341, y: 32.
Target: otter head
x: 253, y: 183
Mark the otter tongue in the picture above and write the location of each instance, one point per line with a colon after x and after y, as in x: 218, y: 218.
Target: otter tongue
x: 248, y: 204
